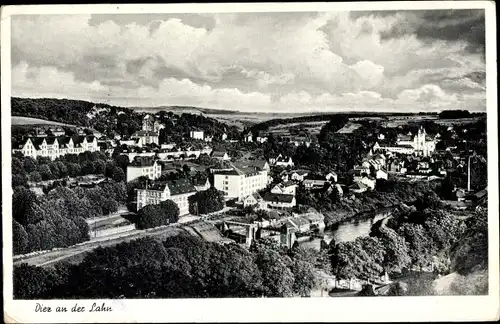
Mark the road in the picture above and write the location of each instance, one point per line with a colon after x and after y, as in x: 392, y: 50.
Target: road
x: 77, y: 251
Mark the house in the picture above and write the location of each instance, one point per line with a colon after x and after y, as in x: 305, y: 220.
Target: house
x: 201, y: 184
x: 284, y: 161
x: 241, y: 180
x: 339, y: 189
x: 248, y: 137
x: 106, y: 147
x: 196, y: 134
x: 314, y: 184
x: 208, y: 138
x: 144, y: 137
x: 261, y: 139
x: 255, y: 200
x: 279, y: 201
x: 53, y: 147
x: 57, y: 131
x: 150, y: 124
x: 381, y: 174
x: 369, y: 182
x: 284, y: 176
x: 299, y: 175
x: 224, y: 136
x: 220, y: 155
x: 288, y: 188
x: 143, y: 166
x: 176, y: 190
x: 331, y: 176
x: 358, y: 187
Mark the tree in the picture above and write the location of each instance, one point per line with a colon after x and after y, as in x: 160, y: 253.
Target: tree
x: 19, y: 238
x: 277, y: 278
x: 170, y: 210
x: 151, y: 216
x: 396, y: 256
x: 305, y: 278
x: 118, y: 174
x: 45, y: 172
x: 205, y: 202
x: 100, y: 167
x: 122, y: 161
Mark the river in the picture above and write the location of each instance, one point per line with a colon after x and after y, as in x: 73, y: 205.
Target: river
x: 345, y: 231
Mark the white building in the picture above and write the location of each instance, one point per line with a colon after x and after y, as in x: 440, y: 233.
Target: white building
x: 254, y: 200
x: 219, y: 155
x: 196, y: 134
x: 54, y: 147
x: 178, y: 191
x: 281, y: 161
x: 279, y: 201
x: 149, y: 123
x: 381, y: 174
x: 299, y: 175
x: 287, y: 188
x: 420, y: 144
x: 147, y: 167
x: 248, y: 137
x: 331, y: 176
x: 145, y: 137
x: 261, y: 139
x: 224, y: 137
x: 314, y: 184
x: 242, y: 181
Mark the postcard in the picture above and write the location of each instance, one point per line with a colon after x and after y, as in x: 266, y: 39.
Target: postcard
x: 277, y: 162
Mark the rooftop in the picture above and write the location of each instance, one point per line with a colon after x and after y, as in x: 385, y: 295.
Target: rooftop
x: 274, y: 197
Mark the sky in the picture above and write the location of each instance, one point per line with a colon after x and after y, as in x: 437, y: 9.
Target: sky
x: 426, y: 60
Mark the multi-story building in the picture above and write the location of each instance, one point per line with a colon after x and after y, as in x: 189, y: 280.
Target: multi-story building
x: 54, y: 147
x: 149, y: 123
x: 196, y: 134
x: 279, y: 201
x: 420, y: 144
x: 240, y: 182
x: 142, y: 166
x: 144, y: 137
x: 178, y: 191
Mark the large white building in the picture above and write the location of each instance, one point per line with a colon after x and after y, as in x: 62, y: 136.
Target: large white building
x: 176, y: 190
x: 54, y: 147
x: 242, y: 180
x: 141, y: 166
x: 149, y: 123
x: 144, y: 137
x: 196, y: 134
x: 420, y: 144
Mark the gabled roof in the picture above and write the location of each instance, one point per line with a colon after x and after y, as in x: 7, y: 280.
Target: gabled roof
x: 218, y: 153
x: 181, y: 186
x: 274, y: 197
x: 358, y: 185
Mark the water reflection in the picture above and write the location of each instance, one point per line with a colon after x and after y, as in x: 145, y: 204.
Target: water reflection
x: 345, y: 231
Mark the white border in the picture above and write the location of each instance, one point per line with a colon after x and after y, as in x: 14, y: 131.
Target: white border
x: 269, y: 309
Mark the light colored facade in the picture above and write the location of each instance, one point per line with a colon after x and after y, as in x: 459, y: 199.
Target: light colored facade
x: 261, y: 139
x: 149, y: 123
x: 299, y: 175
x: 279, y: 201
x: 177, y: 191
x: 196, y: 134
x: 420, y: 144
x: 145, y: 137
x: 54, y: 147
x: 150, y: 170
x: 314, y: 184
x: 240, y: 183
x: 287, y: 188
x: 223, y: 156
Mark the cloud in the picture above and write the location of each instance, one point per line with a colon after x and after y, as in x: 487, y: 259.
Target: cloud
x: 304, y: 60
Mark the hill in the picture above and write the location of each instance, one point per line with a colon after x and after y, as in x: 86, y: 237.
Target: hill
x: 29, y: 121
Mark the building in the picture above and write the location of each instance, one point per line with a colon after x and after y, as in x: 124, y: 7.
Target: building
x: 143, y: 166
x: 331, y: 176
x: 314, y: 184
x: 208, y: 138
x: 196, y: 134
x: 149, y: 123
x: 220, y: 155
x: 261, y: 139
x: 248, y: 137
x: 201, y: 184
x: 224, y: 136
x: 144, y: 137
x: 381, y: 174
x: 255, y: 200
x: 177, y: 190
x: 288, y: 188
x: 53, y: 147
x: 299, y: 175
x: 281, y: 161
x: 420, y: 144
x: 279, y: 201
x: 358, y: 187
x: 57, y: 131
x: 241, y: 180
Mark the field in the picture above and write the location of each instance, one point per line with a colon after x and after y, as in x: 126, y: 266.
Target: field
x: 28, y: 121
x: 312, y: 127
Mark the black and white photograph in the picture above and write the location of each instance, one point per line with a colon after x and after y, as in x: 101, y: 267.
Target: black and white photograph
x: 309, y: 155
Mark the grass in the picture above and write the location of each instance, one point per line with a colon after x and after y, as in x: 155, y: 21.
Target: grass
x: 29, y: 121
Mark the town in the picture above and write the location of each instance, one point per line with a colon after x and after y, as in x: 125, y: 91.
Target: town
x: 326, y: 188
